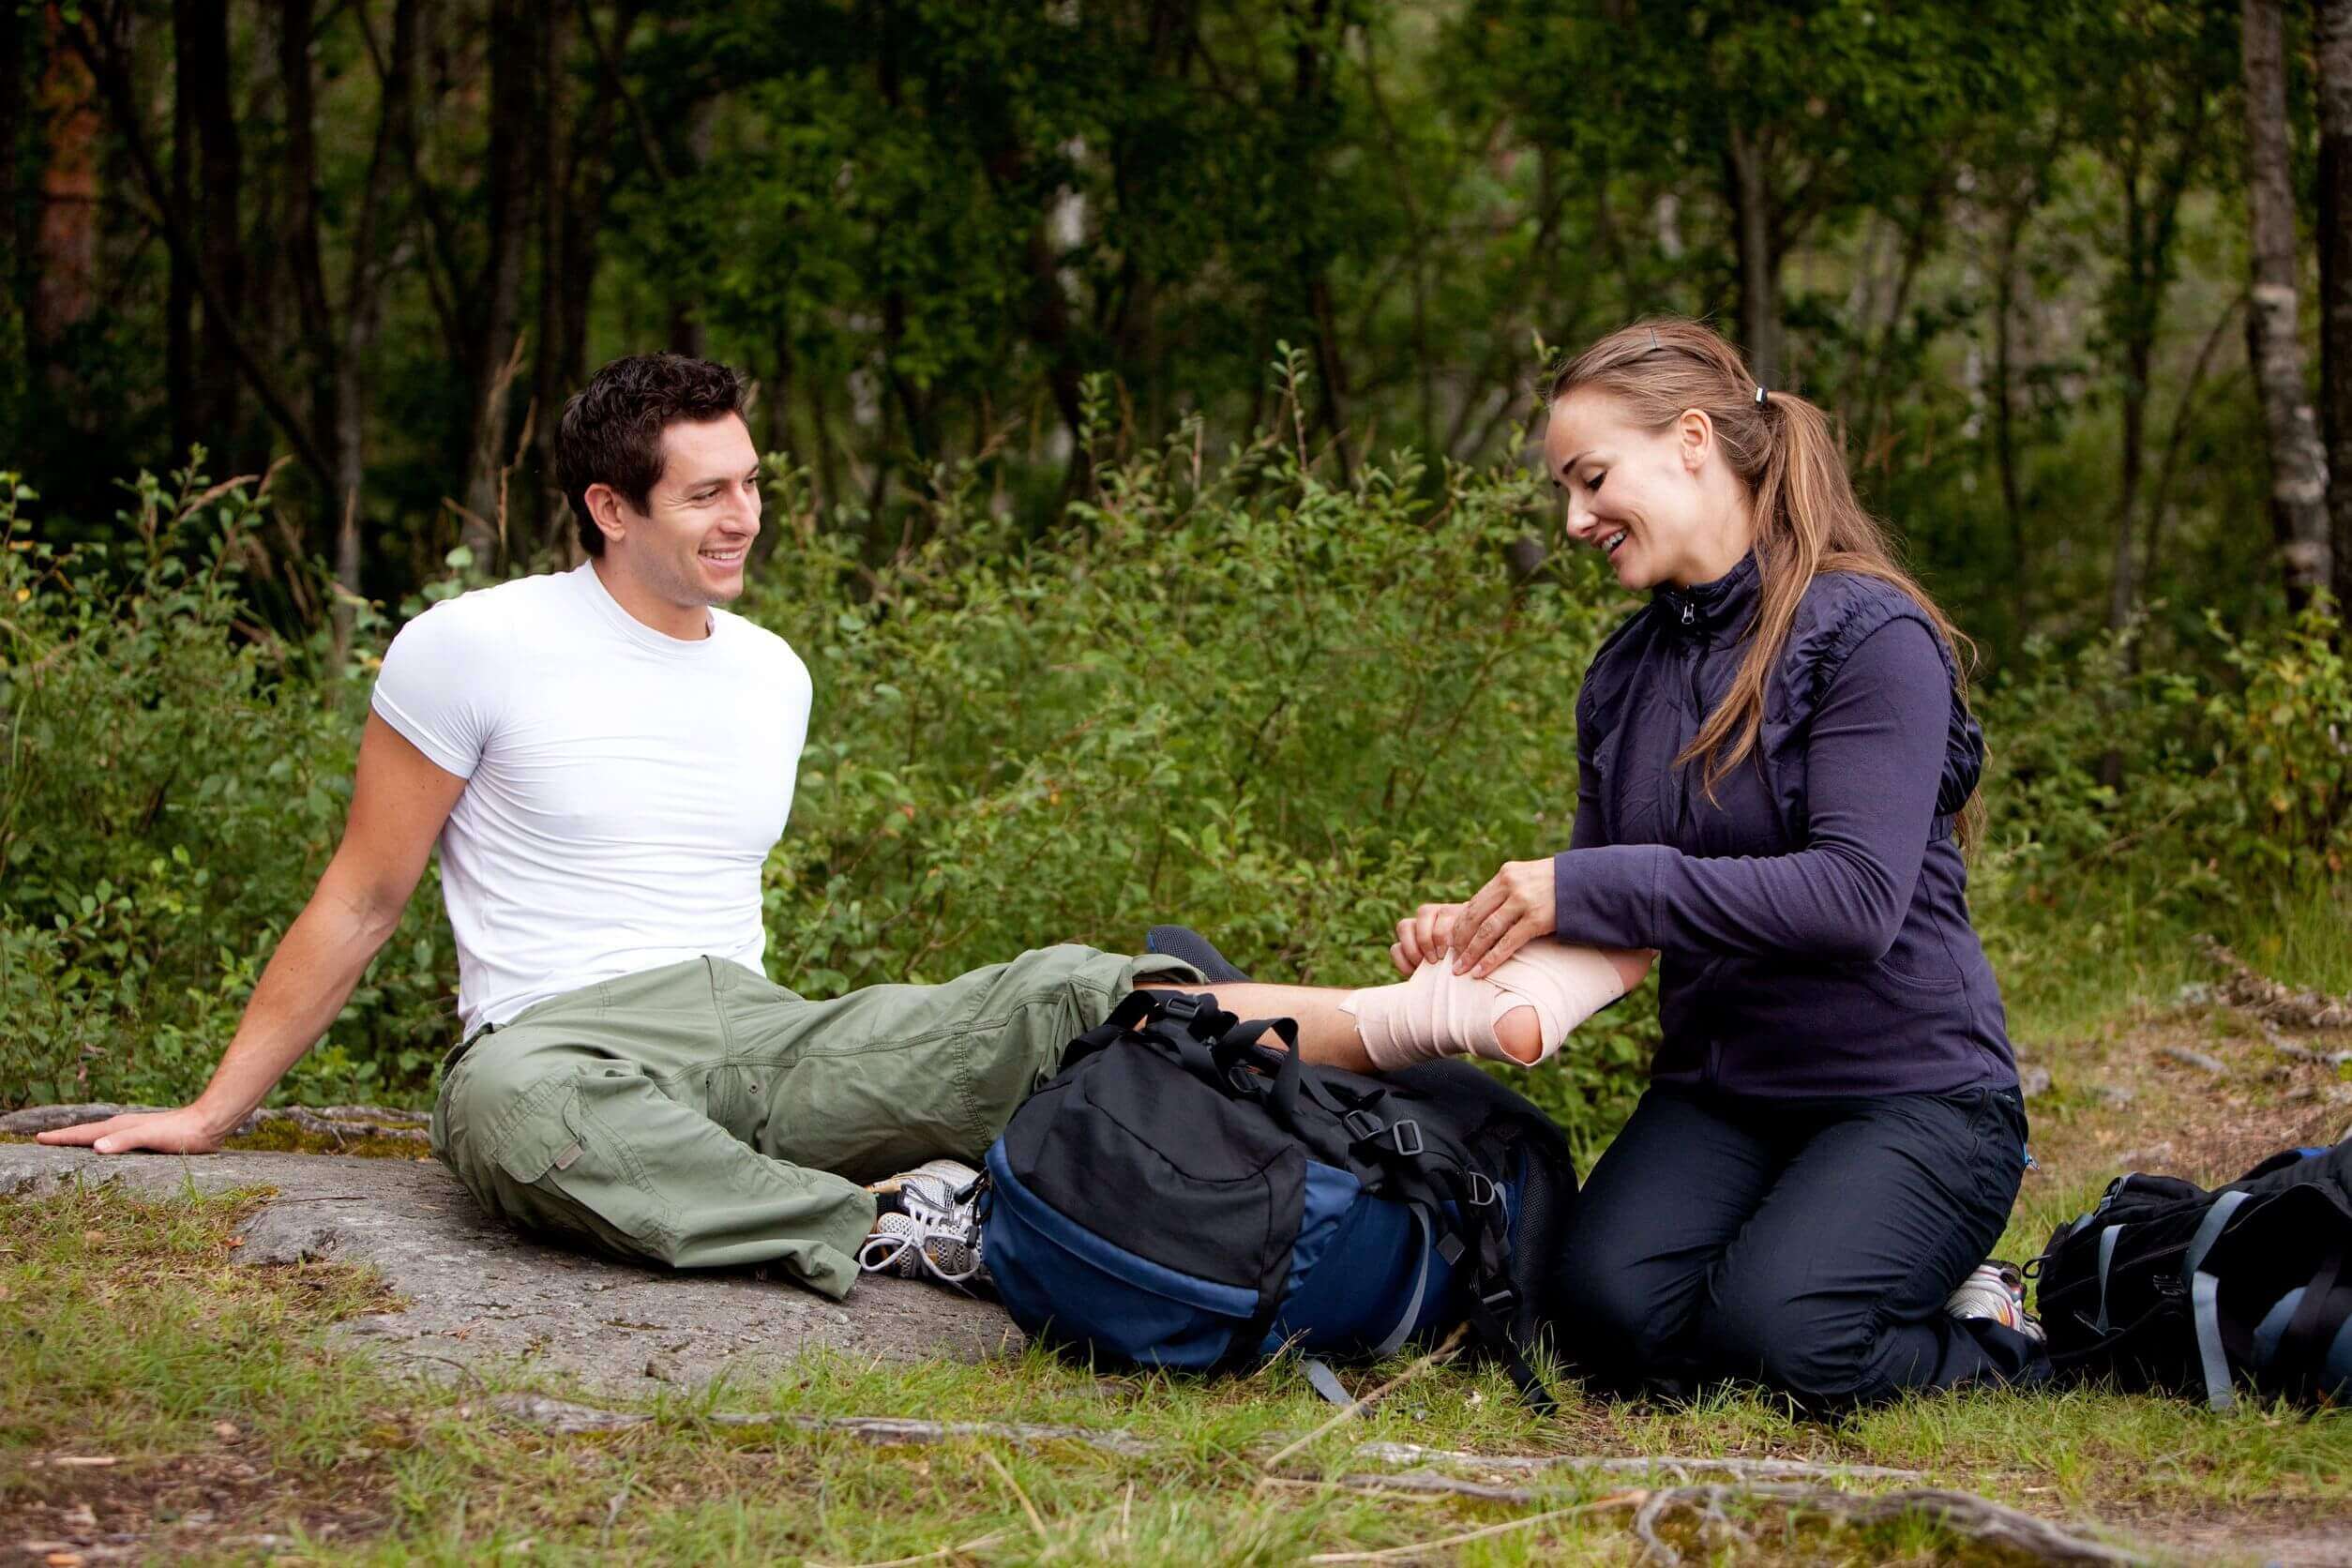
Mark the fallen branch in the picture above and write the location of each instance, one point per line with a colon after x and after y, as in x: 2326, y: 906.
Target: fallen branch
x: 565, y: 1418
x: 1595, y: 1464
x: 2197, y: 1059
x: 1963, y: 1513
x: 2245, y: 987
x: 961, y: 1548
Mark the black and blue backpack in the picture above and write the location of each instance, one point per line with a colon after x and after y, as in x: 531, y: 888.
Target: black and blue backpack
x: 2166, y: 1286
x: 1188, y: 1194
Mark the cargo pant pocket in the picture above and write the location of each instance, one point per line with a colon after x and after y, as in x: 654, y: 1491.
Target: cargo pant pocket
x: 560, y: 1167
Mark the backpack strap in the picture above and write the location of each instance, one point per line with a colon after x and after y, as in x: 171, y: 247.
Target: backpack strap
x: 2310, y: 1335
x: 1133, y: 1009
x: 2209, y: 1232
x: 1396, y: 1336
x: 1479, y: 1229
x: 2205, y: 1296
x: 2106, y: 1259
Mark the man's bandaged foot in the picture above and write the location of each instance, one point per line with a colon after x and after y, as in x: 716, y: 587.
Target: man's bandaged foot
x: 1438, y: 1013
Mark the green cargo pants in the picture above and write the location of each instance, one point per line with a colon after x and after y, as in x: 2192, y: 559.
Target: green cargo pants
x: 698, y: 1116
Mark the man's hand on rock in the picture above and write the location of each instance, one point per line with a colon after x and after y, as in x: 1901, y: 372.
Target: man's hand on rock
x: 185, y: 1131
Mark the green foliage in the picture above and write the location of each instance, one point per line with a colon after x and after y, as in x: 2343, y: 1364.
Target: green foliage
x: 176, y: 779
x: 1233, y: 693
x: 2232, y: 775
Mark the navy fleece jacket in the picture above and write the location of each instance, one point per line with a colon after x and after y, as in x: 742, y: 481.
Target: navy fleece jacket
x: 1813, y: 919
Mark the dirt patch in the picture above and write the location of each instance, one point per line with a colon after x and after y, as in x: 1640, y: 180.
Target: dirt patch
x: 180, y: 1504
x: 2147, y: 1097
x: 2294, y: 1532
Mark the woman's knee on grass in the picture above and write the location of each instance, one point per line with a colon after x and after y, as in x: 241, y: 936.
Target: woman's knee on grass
x: 1621, y: 1314
x: 1817, y: 1352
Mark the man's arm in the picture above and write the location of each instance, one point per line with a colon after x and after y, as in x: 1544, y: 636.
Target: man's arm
x: 398, y: 801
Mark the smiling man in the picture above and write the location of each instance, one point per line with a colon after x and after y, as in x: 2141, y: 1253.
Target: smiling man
x: 605, y: 757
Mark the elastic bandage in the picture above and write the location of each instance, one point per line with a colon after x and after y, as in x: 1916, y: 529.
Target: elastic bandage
x: 1436, y: 1013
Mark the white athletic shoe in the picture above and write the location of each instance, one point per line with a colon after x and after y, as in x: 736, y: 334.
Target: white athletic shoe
x: 1996, y: 1290
x: 933, y: 1228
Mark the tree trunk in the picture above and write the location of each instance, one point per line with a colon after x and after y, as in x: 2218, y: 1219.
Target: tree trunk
x: 313, y: 315
x: 65, y: 244
x: 200, y: 30
x: 687, y: 333
x: 179, y: 303
x: 559, y: 138
x: 514, y: 128
x: 2005, y: 405
x: 2333, y: 48
x: 2274, y: 347
x: 363, y: 308
x: 1310, y: 89
x: 15, y: 225
x: 2123, y: 584
x: 109, y: 61
x: 1751, y: 194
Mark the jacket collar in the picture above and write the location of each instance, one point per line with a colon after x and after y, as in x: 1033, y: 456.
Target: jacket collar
x: 1728, y: 603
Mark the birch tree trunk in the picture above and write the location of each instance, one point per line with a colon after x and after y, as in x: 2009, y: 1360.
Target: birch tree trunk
x: 2333, y: 47
x: 2299, y: 463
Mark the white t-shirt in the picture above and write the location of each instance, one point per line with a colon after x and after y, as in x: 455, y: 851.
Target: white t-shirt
x: 622, y: 788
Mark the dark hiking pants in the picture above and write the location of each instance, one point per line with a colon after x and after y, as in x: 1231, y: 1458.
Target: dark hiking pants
x: 1807, y: 1245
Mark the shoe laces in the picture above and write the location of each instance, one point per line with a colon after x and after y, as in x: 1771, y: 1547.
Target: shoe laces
x: 932, y: 1212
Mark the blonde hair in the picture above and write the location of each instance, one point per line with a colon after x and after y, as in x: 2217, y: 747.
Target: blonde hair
x: 1788, y: 454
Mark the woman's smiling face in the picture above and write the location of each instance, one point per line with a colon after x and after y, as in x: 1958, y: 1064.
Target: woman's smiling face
x: 1653, y: 501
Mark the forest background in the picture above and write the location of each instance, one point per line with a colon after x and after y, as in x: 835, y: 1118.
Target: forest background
x: 1146, y: 385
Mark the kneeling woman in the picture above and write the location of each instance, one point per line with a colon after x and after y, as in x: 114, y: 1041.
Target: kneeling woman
x: 1773, y: 758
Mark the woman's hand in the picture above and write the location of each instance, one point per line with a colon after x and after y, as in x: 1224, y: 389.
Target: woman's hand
x: 1516, y: 904
x: 1422, y: 936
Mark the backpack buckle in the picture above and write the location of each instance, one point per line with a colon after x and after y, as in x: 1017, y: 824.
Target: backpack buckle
x: 1181, y: 1007
x: 1363, y: 1125
x: 1499, y: 1301
x: 1406, y: 1137
x: 1483, y: 1190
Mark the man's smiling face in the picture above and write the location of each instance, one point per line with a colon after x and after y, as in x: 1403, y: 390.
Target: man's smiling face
x: 686, y: 548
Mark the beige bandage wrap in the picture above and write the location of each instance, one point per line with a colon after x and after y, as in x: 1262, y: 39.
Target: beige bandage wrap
x: 1438, y: 1013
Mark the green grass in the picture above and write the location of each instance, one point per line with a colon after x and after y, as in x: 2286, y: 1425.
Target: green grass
x: 2111, y: 949
x: 239, y: 1430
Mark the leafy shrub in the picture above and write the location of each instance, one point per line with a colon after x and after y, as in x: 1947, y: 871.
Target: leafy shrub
x: 1231, y: 694
x: 176, y: 778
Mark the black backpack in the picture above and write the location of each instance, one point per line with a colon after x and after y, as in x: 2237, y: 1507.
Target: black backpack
x: 2166, y: 1286
x: 1183, y: 1193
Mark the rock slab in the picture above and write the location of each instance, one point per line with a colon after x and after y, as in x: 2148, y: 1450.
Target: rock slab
x: 478, y: 1291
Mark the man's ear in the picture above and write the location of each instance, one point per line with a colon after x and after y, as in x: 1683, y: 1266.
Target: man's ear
x: 1695, y: 434
x: 605, y: 509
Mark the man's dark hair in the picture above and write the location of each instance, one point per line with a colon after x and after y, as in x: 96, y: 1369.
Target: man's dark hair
x: 611, y: 429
